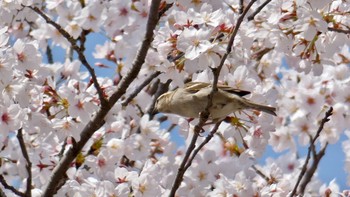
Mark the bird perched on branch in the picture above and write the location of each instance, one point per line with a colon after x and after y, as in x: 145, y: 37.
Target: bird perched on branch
x: 192, y: 99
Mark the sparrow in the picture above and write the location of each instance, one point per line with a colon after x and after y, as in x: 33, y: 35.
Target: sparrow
x: 190, y: 100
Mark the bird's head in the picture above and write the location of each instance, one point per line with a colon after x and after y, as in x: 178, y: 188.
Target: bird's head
x: 162, y: 103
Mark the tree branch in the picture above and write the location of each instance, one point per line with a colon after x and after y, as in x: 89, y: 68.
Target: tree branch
x: 311, y: 171
x: 181, y: 171
x: 241, y: 6
x: 339, y: 30
x: 2, y: 193
x: 261, y: 174
x: 205, y: 114
x: 189, y: 156
x: 97, y: 121
x: 9, y: 187
x: 58, y: 27
x: 216, y: 71
x: 141, y: 54
x: 251, y: 17
x: 49, y: 54
x: 79, y: 50
x: 207, y: 139
x: 28, y: 191
x: 165, y: 8
x: 311, y: 149
x: 140, y: 87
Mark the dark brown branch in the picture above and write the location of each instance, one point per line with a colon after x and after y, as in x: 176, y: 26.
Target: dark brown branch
x: 311, y: 171
x: 2, y: 193
x: 205, y: 114
x: 241, y: 6
x: 308, y: 156
x: 207, y: 139
x: 172, y: 126
x: 141, y: 54
x: 339, y: 30
x: 79, y: 50
x: 230, y: 44
x: 189, y: 156
x: 216, y: 71
x: 323, y: 122
x: 140, y: 87
x: 251, y: 17
x: 82, y: 39
x: 63, y: 148
x: 166, y: 8
x: 184, y: 164
x: 49, y: 54
x: 97, y: 121
x: 302, y: 172
x: 63, y: 32
x: 28, y: 191
x: 70, y: 53
x: 9, y: 187
x: 181, y: 171
x: 267, y: 179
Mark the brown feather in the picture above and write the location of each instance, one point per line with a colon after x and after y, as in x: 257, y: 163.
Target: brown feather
x: 194, y: 87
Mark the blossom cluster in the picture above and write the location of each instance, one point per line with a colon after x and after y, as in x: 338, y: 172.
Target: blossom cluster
x: 293, y: 55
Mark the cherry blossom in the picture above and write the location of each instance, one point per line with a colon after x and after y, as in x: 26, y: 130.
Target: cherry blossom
x: 68, y: 130
x: 10, y: 117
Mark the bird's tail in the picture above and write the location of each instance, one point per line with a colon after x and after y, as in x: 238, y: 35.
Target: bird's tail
x: 264, y: 108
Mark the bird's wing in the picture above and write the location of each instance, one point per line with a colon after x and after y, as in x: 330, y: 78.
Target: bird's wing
x: 194, y: 87
x: 233, y: 90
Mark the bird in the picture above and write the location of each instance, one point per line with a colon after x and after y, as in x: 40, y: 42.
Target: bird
x: 192, y: 99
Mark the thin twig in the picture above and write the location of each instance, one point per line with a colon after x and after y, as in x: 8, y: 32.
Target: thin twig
x: 323, y: 121
x: 216, y: 71
x: 63, y: 148
x: 28, y: 191
x: 140, y: 87
x: 171, y: 127
x: 311, y: 171
x: 140, y: 57
x: 302, y: 172
x: 79, y: 50
x: 251, y: 17
x: 69, y: 54
x: 267, y: 179
x: 63, y: 32
x: 98, y: 120
x: 310, y: 150
x: 241, y: 6
x: 9, y: 187
x: 207, y: 139
x: 339, y: 30
x: 2, y: 193
x: 49, y: 54
x: 181, y: 171
x: 82, y: 39
x: 230, y: 43
x: 166, y: 8
x: 205, y: 114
